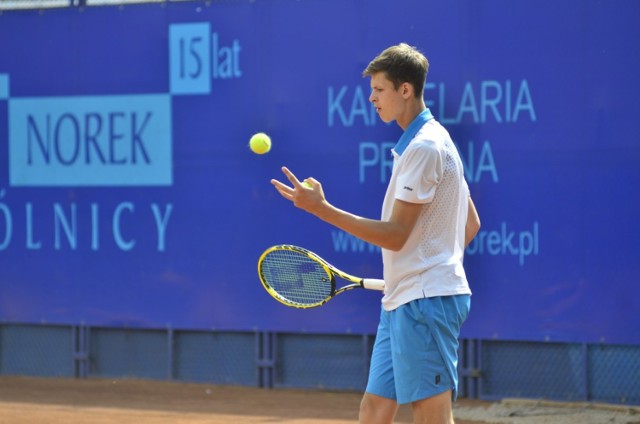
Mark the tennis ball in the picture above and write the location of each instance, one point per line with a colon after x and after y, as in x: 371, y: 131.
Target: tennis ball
x: 307, y: 184
x: 260, y: 143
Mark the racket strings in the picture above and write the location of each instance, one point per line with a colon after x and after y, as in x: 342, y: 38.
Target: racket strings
x: 296, y: 277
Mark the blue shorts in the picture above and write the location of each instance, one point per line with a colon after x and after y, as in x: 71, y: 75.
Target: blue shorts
x: 415, y: 355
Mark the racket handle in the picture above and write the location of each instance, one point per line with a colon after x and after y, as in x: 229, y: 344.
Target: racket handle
x: 373, y: 284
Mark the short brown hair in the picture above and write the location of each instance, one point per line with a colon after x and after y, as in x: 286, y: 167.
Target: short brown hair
x: 401, y: 63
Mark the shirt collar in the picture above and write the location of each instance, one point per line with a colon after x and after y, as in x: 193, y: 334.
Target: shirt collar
x: 412, y: 130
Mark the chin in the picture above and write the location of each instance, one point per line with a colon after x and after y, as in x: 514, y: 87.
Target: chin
x: 384, y: 118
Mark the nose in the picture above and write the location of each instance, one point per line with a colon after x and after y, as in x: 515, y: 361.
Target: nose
x: 372, y: 98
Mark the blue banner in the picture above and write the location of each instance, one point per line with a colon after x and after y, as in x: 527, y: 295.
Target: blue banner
x: 129, y: 196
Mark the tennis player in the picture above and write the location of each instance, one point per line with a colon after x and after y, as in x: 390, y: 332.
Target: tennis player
x: 428, y: 218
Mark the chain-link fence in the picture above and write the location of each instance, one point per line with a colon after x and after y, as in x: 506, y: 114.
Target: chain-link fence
x: 497, y: 370
x: 560, y: 371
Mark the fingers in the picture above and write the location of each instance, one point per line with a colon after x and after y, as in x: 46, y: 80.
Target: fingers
x: 292, y: 178
x: 298, y: 192
x: 283, y: 189
x: 310, y: 182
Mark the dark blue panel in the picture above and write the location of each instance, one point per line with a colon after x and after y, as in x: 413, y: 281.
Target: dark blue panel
x: 553, y: 371
x: 39, y: 351
x: 614, y: 374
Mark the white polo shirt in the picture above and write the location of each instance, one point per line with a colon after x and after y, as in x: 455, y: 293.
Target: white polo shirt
x: 427, y: 169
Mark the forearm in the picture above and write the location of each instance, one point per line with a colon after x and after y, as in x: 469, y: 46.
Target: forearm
x: 473, y: 223
x: 389, y: 234
x: 384, y: 234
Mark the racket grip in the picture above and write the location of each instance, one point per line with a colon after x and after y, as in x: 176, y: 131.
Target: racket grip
x: 373, y: 284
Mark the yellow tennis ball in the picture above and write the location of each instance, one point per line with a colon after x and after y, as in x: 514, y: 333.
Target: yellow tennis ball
x: 260, y: 143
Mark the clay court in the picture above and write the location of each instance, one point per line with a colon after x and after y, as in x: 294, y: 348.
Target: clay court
x: 26, y: 400
x: 65, y: 401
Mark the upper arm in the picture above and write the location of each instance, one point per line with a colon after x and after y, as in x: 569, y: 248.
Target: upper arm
x: 404, y: 216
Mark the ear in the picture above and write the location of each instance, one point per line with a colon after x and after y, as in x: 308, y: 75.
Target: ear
x: 407, y: 90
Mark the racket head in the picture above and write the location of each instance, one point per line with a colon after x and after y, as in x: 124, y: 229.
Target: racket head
x: 296, y: 277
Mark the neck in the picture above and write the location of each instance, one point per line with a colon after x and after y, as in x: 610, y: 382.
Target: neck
x: 413, y: 109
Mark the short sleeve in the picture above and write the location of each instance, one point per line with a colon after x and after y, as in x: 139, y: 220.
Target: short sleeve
x: 419, y: 172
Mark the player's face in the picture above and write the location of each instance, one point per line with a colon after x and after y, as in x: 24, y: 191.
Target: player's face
x: 388, y: 101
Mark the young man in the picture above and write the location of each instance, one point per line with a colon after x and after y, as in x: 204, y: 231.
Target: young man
x: 428, y: 218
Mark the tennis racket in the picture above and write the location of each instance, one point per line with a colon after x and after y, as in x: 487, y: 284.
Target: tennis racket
x: 299, y: 278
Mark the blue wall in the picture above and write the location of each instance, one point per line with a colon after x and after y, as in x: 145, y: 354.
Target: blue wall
x: 128, y: 196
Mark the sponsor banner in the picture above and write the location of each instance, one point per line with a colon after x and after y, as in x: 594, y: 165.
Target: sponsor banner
x: 90, y: 141
x: 129, y: 197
